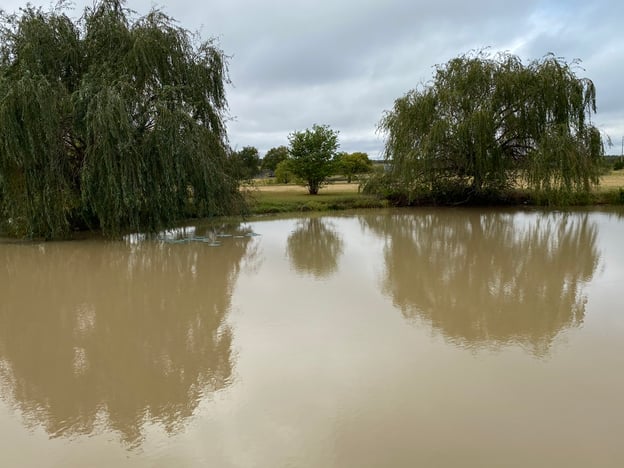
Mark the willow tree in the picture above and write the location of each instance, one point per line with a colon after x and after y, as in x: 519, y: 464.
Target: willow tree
x: 487, y: 123
x: 112, y: 121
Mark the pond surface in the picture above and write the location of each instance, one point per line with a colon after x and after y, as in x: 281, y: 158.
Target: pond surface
x: 446, y: 338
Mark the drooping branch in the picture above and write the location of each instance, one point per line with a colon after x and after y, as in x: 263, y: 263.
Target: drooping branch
x: 114, y: 121
x: 486, y: 119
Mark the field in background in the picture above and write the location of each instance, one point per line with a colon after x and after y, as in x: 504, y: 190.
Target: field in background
x: 614, y: 179
x: 277, y: 198
x: 274, y: 198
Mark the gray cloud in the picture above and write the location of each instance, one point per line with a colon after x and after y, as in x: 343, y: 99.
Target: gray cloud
x: 343, y: 62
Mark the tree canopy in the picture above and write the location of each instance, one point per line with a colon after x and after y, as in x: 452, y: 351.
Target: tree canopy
x: 273, y: 157
x: 352, y: 164
x: 284, y: 172
x: 111, y: 121
x: 246, y: 163
x: 487, y: 123
x: 312, y: 152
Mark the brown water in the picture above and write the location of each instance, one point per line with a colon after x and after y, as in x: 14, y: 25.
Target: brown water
x: 434, y: 338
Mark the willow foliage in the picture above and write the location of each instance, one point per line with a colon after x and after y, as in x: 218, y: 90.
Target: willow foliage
x: 113, y: 122
x: 489, y: 123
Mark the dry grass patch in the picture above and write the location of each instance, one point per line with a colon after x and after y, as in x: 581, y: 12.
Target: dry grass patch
x: 614, y: 179
x: 281, y: 198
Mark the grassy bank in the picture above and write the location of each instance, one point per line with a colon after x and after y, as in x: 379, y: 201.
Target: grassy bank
x: 274, y: 198
x: 292, y: 198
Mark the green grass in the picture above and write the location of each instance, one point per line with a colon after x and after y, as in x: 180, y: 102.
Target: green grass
x: 266, y: 202
x: 274, y: 202
x: 277, y: 198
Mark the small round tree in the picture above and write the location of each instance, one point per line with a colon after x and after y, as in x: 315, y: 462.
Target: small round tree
x: 312, y: 154
x: 283, y: 172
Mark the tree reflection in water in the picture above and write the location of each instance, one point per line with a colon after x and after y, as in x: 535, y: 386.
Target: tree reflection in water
x: 99, y: 334
x: 489, y: 278
x: 314, y: 247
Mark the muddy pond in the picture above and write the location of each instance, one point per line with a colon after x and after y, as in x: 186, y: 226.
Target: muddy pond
x: 398, y: 338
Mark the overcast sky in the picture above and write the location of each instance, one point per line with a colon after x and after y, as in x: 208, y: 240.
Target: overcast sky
x: 344, y: 62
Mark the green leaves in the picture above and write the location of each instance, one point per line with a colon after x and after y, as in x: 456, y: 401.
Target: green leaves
x: 312, y: 152
x: 35, y: 182
x: 110, y: 122
x: 245, y: 163
x: 273, y: 157
x: 488, y: 123
x: 352, y: 164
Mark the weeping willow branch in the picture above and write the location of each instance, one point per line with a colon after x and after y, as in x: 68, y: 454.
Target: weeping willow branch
x: 113, y: 122
x: 487, y: 123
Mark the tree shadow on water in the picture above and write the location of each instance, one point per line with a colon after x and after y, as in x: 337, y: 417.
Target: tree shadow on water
x: 489, y: 279
x: 314, y: 247
x: 114, y: 336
